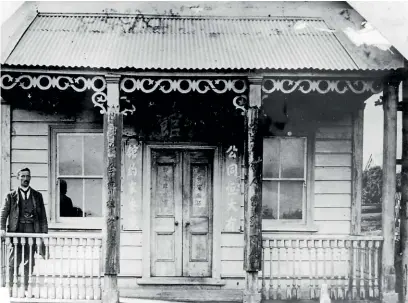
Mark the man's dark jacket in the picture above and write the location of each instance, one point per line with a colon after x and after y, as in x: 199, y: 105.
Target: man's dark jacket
x: 11, y: 210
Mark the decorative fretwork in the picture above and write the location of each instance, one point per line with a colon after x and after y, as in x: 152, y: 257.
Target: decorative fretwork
x: 322, y: 86
x: 46, y: 82
x: 184, y: 86
x: 240, y: 103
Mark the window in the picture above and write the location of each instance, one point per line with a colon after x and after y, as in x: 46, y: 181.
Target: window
x: 78, y: 174
x: 284, y: 179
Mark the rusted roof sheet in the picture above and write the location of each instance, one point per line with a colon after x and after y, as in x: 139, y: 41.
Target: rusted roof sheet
x: 157, y: 42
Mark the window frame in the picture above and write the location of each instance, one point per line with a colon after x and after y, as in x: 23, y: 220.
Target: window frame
x: 306, y: 223
x: 55, y: 220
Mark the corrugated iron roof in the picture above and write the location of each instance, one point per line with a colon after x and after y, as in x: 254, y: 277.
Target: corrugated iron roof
x: 158, y: 42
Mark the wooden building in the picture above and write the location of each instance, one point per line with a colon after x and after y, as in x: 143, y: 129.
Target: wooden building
x: 206, y: 157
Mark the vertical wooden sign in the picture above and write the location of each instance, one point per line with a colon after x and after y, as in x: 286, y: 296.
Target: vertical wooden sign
x: 232, y: 197
x: 132, y: 185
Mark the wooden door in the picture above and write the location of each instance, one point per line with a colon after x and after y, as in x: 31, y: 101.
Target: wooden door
x: 181, y: 216
x: 166, y: 214
x: 197, y: 213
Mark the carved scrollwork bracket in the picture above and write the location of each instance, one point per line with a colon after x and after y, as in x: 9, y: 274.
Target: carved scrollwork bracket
x: 184, y: 86
x: 321, y: 86
x: 45, y: 82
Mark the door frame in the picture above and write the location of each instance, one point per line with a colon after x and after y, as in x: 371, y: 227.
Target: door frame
x: 217, y: 195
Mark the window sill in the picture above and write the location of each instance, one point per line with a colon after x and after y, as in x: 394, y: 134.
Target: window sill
x: 78, y: 225
x: 180, y: 281
x: 279, y: 227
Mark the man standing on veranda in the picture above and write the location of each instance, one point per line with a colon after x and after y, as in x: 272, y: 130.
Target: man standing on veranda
x: 25, y: 211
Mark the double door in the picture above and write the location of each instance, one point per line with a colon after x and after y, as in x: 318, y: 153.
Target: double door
x: 181, y: 212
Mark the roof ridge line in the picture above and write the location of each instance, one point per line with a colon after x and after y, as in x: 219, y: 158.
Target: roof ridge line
x: 116, y: 15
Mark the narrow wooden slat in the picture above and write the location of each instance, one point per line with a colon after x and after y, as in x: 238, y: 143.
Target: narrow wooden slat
x: 232, y: 240
x: 264, y: 292
x: 334, y: 227
x: 280, y: 245
x: 333, y: 187
x: 332, y: 251
x: 333, y: 146
x: 370, y: 273
x: 53, y: 281
x: 334, y: 132
x: 347, y: 255
x: 67, y: 288
x: 317, y: 245
x: 37, y: 292
x: 22, y: 115
x: 332, y: 173
x: 332, y: 214
x: 29, y: 128
x: 82, y: 292
x: 21, y: 293
x: 355, y: 264
x: 294, y: 274
x: 332, y: 200
x: 301, y: 245
x: 91, y: 292
x: 332, y: 159
x: 287, y: 262
x: 29, y: 142
x: 376, y: 269
x: 310, y: 246
x: 15, y: 282
x: 29, y: 156
x: 340, y: 291
x: 271, y: 245
x: 362, y: 264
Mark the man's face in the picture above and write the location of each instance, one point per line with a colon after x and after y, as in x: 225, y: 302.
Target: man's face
x: 25, y: 178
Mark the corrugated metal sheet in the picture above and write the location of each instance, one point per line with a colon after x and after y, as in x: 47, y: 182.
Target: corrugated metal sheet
x: 142, y: 42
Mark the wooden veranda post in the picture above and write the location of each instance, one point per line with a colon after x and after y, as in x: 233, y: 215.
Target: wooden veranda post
x: 253, y: 201
x: 357, y: 168
x: 404, y: 193
x: 5, y: 113
x: 112, y: 128
x: 390, y: 99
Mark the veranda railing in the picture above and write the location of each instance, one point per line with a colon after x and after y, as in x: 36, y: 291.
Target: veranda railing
x: 295, y: 266
x: 69, y: 269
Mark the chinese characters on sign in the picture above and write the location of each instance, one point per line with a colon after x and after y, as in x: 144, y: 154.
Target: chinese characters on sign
x: 132, y: 198
x: 232, y: 193
x: 200, y: 190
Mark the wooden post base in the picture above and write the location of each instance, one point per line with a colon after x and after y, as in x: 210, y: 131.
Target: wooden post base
x: 389, y: 297
x: 251, y: 293
x: 110, y: 289
x: 253, y: 298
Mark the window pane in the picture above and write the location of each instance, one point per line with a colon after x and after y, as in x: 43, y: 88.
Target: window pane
x: 269, y: 200
x: 71, y: 193
x: 291, y: 194
x: 93, y: 148
x: 93, y: 197
x: 271, y: 158
x: 69, y: 155
x: 293, y: 157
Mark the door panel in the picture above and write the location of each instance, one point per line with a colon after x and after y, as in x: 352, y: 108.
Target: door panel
x: 166, y: 241
x: 181, y: 228
x: 197, y: 213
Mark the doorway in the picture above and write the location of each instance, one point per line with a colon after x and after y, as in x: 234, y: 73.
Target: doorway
x: 181, y: 212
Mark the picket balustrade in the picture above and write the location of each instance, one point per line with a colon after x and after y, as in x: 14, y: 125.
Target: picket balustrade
x: 348, y: 265
x: 69, y: 269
